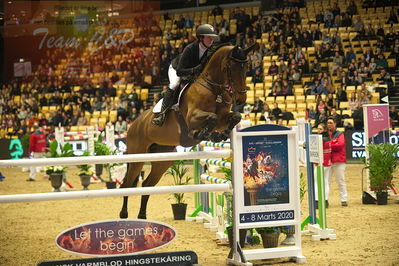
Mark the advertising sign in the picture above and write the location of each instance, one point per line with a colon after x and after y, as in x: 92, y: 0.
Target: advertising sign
x: 179, y: 258
x: 265, y: 185
x: 265, y: 170
x: 316, y: 149
x: 376, y: 123
x: 115, y: 237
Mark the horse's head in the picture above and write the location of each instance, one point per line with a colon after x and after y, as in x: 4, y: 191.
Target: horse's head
x: 236, y: 69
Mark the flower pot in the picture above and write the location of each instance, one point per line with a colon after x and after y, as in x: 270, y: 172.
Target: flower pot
x: 270, y: 240
x: 110, y: 184
x: 99, y: 170
x: 243, y: 234
x: 382, y: 198
x: 367, y: 198
x: 179, y: 211
x: 85, y: 181
x: 56, y: 181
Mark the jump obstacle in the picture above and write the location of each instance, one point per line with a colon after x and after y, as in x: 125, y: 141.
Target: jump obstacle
x: 236, y: 256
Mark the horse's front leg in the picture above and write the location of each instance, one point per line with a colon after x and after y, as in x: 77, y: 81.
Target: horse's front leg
x: 201, y: 124
x: 232, y: 119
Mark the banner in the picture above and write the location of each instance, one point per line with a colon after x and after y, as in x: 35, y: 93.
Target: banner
x: 376, y: 122
x: 48, y: 33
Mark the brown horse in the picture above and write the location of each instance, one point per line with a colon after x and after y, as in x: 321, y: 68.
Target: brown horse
x: 204, y: 114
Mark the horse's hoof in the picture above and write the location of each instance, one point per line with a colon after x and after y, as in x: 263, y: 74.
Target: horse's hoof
x: 123, y: 214
x: 142, y: 216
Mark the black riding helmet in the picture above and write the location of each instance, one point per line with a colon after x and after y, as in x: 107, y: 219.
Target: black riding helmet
x: 206, y: 30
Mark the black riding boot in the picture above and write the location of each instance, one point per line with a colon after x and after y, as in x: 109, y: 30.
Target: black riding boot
x: 167, y: 102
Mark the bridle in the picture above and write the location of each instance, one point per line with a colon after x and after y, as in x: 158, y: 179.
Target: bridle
x: 223, y: 87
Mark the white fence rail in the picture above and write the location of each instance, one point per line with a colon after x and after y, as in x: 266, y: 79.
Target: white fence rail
x: 147, y: 157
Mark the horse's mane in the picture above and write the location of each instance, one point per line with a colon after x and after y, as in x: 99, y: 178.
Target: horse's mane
x: 237, y: 53
x: 210, y: 52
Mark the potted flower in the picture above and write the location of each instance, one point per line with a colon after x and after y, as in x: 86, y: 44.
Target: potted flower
x: 179, y: 173
x: 270, y: 236
x: 57, y: 173
x: 85, y: 173
x: 381, y: 163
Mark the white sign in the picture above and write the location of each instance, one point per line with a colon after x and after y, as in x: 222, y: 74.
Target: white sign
x: 316, y: 149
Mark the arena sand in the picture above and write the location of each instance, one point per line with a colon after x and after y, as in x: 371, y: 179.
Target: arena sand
x: 366, y: 234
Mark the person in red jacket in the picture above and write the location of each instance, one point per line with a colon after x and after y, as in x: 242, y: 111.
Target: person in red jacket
x: 37, y: 148
x: 322, y: 130
x: 338, y: 158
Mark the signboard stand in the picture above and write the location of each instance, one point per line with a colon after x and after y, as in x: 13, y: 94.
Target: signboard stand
x: 376, y: 123
x: 266, y: 189
x: 314, y: 152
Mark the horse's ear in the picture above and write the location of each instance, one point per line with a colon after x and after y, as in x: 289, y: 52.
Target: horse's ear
x: 252, y: 47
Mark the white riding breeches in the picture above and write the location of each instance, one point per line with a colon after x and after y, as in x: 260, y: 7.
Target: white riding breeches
x: 338, y: 169
x: 174, y: 79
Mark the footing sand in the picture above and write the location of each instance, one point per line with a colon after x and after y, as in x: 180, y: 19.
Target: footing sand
x: 366, y: 234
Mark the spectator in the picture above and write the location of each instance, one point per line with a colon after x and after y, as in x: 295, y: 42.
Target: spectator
x: 257, y: 77
x: 321, y: 117
x: 353, y: 102
x: 350, y: 55
x: 311, y: 113
x: 266, y: 114
x: 385, y: 78
x: 258, y: 105
x: 337, y: 117
x: 338, y: 158
x: 286, y: 88
x: 363, y: 99
x: 37, y: 149
x: 277, y: 113
x: 120, y: 125
x: 394, y: 117
x: 273, y: 69
x: 381, y: 62
x: 393, y: 19
x: 341, y: 95
x: 315, y: 67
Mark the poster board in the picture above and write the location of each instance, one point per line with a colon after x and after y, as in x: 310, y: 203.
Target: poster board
x: 266, y: 184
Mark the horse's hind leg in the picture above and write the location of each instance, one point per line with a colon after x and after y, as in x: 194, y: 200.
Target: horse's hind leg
x: 131, y: 179
x: 157, y: 170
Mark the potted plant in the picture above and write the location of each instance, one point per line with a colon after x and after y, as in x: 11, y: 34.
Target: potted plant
x: 270, y: 236
x: 381, y: 163
x: 57, y: 173
x: 56, y: 176
x: 179, y: 173
x: 85, y: 173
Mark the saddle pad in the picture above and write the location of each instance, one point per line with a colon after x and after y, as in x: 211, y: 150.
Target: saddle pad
x: 158, y: 106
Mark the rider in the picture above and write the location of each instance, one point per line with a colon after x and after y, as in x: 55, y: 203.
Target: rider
x: 185, y: 65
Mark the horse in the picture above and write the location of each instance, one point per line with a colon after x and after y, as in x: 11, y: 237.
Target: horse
x: 204, y: 113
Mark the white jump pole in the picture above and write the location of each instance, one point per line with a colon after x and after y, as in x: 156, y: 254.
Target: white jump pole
x: 148, y: 157
x: 113, y: 192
